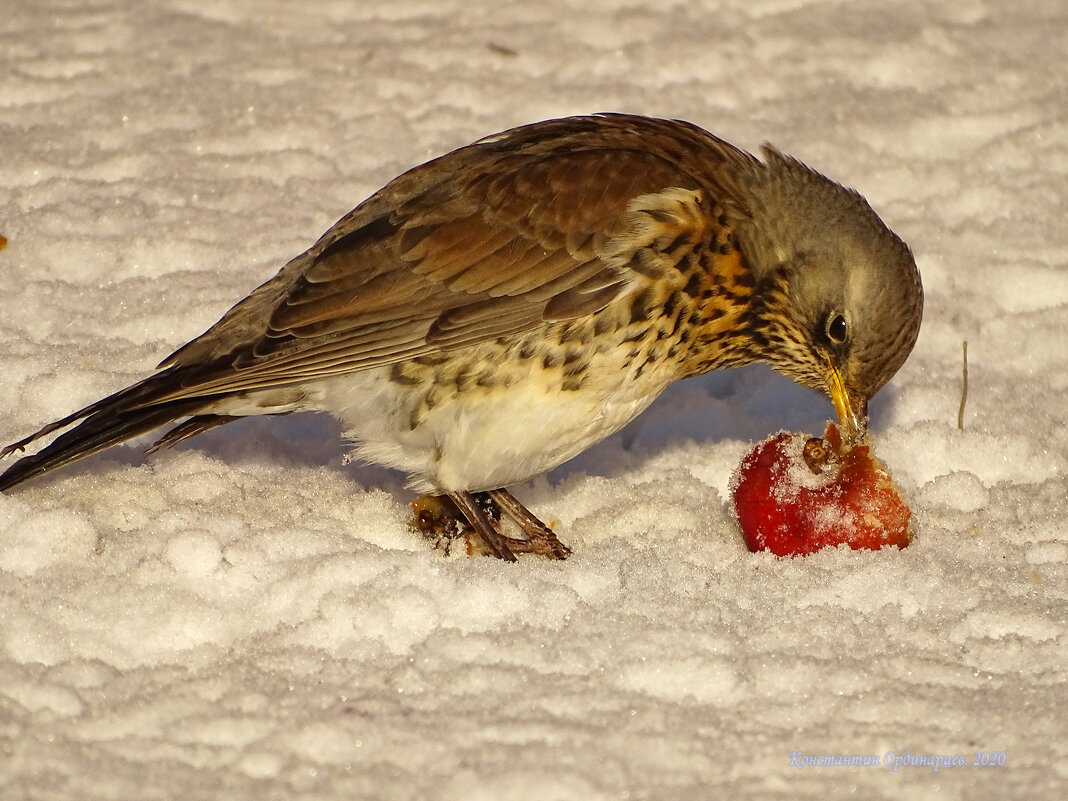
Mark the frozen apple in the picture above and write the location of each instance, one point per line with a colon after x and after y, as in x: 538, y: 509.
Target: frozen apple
x: 794, y: 495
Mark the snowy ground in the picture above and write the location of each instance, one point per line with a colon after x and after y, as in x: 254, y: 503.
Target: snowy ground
x: 245, y: 617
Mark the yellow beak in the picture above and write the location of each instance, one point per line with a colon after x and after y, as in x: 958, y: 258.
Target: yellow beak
x: 852, y: 412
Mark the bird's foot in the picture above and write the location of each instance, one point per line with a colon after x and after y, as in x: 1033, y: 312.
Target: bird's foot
x: 540, y: 537
x: 438, y: 519
x: 476, y: 518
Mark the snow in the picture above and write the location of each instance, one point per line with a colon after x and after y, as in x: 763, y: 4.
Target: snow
x: 247, y: 617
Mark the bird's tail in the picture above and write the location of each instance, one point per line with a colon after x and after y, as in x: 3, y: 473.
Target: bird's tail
x: 116, y: 418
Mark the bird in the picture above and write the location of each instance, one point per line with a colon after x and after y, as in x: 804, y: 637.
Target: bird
x: 490, y: 314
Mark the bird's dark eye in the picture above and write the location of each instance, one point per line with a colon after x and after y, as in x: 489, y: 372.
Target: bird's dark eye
x: 836, y: 329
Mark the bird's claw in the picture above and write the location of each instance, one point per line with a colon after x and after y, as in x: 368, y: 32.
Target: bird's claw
x: 438, y: 518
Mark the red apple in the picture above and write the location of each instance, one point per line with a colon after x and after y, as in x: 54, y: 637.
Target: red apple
x: 794, y: 495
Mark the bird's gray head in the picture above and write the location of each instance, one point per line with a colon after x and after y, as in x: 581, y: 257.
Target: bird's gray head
x: 838, y: 296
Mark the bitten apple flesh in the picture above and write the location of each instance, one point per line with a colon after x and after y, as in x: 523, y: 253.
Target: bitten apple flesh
x: 794, y: 495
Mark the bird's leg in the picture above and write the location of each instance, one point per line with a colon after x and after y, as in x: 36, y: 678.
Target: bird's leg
x: 440, y: 517
x: 483, y: 526
x: 437, y: 518
x: 540, y: 537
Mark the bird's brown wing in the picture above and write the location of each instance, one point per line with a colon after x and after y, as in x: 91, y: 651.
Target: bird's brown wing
x: 547, y: 222
x: 491, y: 240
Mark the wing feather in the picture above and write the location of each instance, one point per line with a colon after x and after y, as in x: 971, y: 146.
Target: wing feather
x: 491, y: 240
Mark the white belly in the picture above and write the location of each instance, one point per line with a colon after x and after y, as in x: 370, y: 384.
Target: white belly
x: 485, y: 439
